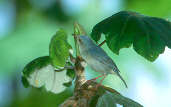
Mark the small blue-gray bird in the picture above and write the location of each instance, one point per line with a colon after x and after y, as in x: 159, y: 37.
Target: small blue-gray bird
x: 96, y: 57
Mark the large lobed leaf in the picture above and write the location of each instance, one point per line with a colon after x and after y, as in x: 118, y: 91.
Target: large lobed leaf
x: 40, y: 73
x: 59, y: 49
x: 149, y: 35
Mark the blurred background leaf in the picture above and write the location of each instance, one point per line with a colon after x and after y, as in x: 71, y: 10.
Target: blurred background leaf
x: 158, y: 8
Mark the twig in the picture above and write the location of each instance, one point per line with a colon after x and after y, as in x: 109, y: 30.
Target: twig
x: 66, y: 67
x: 102, y: 43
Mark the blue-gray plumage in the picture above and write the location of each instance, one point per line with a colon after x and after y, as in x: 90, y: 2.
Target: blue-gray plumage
x: 96, y: 57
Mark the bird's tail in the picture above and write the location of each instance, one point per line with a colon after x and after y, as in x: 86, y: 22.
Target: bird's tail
x: 122, y: 79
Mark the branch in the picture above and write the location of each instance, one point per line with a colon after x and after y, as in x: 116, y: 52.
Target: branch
x: 80, y: 75
x: 87, y: 93
x: 102, y: 43
x: 66, y: 67
x: 83, y: 91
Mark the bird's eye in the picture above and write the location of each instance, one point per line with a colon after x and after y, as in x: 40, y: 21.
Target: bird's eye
x: 79, y: 40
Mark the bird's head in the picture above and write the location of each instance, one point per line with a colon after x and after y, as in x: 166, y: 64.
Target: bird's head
x: 84, y: 41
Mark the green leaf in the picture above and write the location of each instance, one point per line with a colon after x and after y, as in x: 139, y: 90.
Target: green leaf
x: 108, y: 97
x: 163, y: 7
x: 67, y: 84
x: 24, y: 81
x: 149, y: 35
x: 40, y: 73
x: 36, y: 64
x: 59, y: 49
x: 70, y: 73
x: 95, y: 99
x: 111, y: 99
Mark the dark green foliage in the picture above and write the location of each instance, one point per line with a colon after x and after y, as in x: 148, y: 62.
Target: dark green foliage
x: 59, y: 49
x: 68, y: 84
x: 94, y: 100
x: 149, y: 35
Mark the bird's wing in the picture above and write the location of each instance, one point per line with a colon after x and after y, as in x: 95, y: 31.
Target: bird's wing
x: 100, y: 54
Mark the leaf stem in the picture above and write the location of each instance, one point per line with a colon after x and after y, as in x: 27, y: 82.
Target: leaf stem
x: 66, y: 67
x: 102, y: 43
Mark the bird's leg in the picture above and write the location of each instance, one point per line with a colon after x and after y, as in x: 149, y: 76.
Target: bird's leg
x: 95, y: 78
x: 104, y: 76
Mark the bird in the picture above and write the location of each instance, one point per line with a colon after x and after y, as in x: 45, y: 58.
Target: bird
x: 97, y: 58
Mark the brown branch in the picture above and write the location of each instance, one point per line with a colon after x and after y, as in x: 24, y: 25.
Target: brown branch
x: 80, y: 75
x: 65, y: 68
x: 84, y: 90
x: 102, y: 43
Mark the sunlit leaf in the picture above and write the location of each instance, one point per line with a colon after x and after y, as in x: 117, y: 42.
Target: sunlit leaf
x: 40, y: 73
x: 149, y: 35
x: 59, y: 49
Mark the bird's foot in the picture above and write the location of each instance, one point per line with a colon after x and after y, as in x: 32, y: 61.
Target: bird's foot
x: 94, y: 79
x: 91, y: 80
